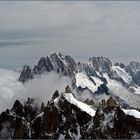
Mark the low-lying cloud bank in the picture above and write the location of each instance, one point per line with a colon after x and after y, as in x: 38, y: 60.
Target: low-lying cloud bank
x: 9, y: 88
x: 40, y: 88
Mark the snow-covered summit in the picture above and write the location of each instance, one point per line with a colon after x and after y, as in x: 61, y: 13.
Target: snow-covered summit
x: 84, y: 107
x: 69, y: 97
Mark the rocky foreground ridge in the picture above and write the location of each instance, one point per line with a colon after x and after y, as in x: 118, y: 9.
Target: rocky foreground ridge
x: 64, y: 117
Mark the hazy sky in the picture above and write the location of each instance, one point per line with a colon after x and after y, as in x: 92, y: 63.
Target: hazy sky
x: 29, y: 30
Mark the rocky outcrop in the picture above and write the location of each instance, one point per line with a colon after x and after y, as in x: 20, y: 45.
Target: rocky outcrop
x: 51, y: 120
x: 55, y: 95
x: 86, y: 68
x: 20, y: 128
x: 6, y: 125
x: 134, y: 70
x: 121, y: 65
x: 68, y: 90
x: 111, y: 103
x: 101, y: 64
x: 18, y: 108
x: 89, y: 102
x: 125, y: 125
x: 44, y: 65
x: 26, y: 74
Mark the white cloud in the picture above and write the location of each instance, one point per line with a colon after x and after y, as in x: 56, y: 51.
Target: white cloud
x: 9, y: 88
x: 32, y: 15
x: 41, y: 89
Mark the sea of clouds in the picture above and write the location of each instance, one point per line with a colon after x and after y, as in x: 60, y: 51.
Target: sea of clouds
x: 41, y: 88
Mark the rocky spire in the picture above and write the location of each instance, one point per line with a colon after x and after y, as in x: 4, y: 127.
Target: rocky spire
x: 55, y: 95
x: 26, y: 74
x: 111, y: 102
x: 89, y: 102
x: 42, y: 107
x: 68, y: 89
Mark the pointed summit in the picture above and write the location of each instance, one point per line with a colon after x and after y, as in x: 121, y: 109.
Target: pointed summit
x: 55, y: 95
x: 68, y: 89
x: 111, y: 102
x: 26, y: 74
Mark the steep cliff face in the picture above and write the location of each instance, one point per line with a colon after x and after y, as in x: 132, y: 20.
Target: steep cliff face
x: 64, y: 117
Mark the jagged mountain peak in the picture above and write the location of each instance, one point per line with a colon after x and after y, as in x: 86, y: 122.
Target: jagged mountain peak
x: 100, y: 58
x: 53, y: 53
x: 68, y: 96
x: 26, y: 74
x: 55, y: 95
x: 59, y: 63
x: 68, y: 89
x: 121, y: 65
x: 100, y: 63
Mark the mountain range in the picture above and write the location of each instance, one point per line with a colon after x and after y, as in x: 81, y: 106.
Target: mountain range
x: 98, y: 76
x: 111, y: 112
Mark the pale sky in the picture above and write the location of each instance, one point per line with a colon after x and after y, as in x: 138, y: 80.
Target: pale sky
x: 30, y: 30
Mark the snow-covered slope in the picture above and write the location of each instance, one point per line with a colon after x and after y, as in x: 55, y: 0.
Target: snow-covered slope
x: 115, y: 87
x: 83, y: 81
x: 122, y: 73
x: 70, y: 98
x: 132, y: 112
x: 97, y: 81
x: 137, y: 90
x: 118, y: 90
x: 84, y: 107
